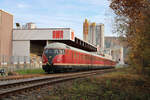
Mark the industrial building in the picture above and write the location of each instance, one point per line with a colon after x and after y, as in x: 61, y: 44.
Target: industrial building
x: 115, y: 48
x: 94, y: 34
x: 27, y: 42
x: 6, y: 28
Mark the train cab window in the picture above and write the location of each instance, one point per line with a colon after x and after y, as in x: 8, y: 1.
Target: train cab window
x: 46, y: 51
x: 61, y: 51
x: 54, y: 51
x: 51, y: 51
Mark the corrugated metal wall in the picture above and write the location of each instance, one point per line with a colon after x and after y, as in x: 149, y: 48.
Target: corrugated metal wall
x: 21, y: 48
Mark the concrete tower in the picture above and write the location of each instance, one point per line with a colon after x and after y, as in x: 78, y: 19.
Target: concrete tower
x: 85, y: 30
x: 94, y: 34
x: 102, y: 42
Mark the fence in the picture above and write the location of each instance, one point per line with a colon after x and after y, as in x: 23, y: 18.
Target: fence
x: 14, y: 63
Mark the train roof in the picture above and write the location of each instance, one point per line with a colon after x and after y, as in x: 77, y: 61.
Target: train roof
x: 64, y: 46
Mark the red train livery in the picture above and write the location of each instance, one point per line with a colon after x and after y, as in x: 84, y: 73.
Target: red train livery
x: 61, y: 57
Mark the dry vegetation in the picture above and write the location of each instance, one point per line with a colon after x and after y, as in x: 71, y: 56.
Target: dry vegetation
x: 118, y: 85
x: 133, y: 25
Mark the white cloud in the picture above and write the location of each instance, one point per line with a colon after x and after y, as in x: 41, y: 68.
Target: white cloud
x: 22, y: 5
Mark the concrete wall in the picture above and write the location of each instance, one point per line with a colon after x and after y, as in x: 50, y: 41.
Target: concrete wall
x: 6, y: 27
x: 21, y: 48
x: 40, y: 34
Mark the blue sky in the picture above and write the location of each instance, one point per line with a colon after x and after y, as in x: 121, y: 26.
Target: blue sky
x: 60, y: 13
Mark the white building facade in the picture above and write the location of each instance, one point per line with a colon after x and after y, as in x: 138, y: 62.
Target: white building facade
x: 22, y: 38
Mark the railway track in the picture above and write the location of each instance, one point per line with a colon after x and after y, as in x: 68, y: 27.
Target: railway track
x: 18, y: 77
x: 12, y: 87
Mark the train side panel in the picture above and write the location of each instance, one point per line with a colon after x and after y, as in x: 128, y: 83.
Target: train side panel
x: 74, y: 59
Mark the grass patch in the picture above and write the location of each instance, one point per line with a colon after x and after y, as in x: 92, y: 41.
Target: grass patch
x: 121, y: 85
x: 30, y: 71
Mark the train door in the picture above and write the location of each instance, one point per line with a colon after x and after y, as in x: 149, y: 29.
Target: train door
x: 67, y: 56
x: 72, y: 56
x: 79, y: 58
x: 90, y: 61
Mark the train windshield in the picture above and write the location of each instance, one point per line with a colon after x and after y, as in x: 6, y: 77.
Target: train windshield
x: 54, y: 51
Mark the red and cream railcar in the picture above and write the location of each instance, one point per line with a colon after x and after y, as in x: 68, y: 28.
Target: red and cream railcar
x: 61, y: 57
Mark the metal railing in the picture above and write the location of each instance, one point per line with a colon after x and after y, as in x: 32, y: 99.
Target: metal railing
x: 14, y: 63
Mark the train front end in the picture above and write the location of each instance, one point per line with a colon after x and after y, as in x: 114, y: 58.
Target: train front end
x: 50, y: 56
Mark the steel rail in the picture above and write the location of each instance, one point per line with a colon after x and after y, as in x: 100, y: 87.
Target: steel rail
x: 22, y: 85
